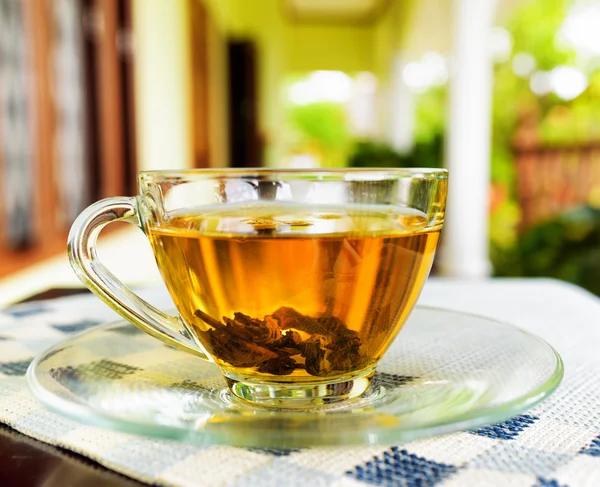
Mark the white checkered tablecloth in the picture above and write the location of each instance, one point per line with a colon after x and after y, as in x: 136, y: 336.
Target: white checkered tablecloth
x: 555, y: 444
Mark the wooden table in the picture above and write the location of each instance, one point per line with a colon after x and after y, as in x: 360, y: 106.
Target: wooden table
x: 25, y: 462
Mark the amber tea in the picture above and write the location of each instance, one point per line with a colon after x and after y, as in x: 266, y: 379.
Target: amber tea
x: 273, y: 290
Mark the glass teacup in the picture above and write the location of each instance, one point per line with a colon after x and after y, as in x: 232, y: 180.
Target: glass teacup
x: 293, y: 282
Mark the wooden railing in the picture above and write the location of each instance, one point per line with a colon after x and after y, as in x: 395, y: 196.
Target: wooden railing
x: 551, y: 178
x: 554, y: 179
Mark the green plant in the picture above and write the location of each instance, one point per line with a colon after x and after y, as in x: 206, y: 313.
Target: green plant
x: 323, y: 128
x: 367, y: 153
x: 566, y: 247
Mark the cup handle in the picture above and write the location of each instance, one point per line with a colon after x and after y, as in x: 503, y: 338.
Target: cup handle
x: 84, y: 259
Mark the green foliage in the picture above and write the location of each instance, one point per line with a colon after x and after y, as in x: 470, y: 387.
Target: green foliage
x: 511, y: 97
x: 503, y: 222
x: 428, y: 150
x: 430, y: 117
x: 324, y: 123
x: 534, y: 28
x: 375, y: 154
x: 369, y: 153
x: 323, y: 128
x: 574, y: 122
x: 566, y: 248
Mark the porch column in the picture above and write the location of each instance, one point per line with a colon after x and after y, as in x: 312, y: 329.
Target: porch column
x: 464, y: 250
x: 402, y: 113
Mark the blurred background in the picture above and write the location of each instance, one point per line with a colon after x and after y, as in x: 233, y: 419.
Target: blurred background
x: 505, y: 93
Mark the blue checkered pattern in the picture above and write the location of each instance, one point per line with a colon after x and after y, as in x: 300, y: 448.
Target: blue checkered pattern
x: 556, y: 444
x: 593, y: 448
x: 399, y: 467
x: 509, y: 430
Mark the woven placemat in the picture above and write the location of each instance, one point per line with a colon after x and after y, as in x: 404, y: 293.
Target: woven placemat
x: 555, y: 444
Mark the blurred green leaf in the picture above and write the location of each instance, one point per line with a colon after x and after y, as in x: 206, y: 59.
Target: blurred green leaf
x: 324, y: 123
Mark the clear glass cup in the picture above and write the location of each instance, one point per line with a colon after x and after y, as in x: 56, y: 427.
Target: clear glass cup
x: 293, y: 282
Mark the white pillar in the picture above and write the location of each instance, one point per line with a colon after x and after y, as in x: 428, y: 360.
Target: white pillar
x: 464, y: 250
x: 402, y: 114
x: 163, y: 84
x: 362, y: 108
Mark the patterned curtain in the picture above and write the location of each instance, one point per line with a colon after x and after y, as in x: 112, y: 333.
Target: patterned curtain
x: 17, y: 139
x: 69, y: 96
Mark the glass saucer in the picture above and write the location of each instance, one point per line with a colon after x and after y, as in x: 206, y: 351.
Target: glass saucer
x: 446, y: 371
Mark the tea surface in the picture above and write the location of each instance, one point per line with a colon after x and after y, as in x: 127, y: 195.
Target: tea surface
x: 276, y: 290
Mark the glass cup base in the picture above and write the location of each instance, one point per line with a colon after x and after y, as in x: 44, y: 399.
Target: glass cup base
x: 295, y: 395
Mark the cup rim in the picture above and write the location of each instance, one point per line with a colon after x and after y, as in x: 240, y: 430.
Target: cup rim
x: 291, y: 173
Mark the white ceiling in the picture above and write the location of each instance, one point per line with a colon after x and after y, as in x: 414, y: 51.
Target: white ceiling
x: 335, y: 10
